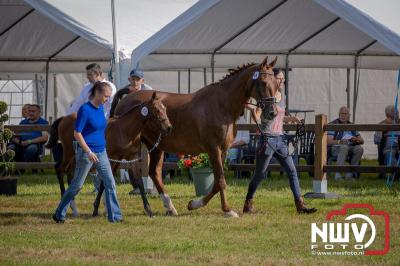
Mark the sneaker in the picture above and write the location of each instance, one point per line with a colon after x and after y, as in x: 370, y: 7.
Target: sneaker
x: 59, y: 221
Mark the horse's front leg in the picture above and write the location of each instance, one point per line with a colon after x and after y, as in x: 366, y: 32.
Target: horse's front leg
x: 155, y: 168
x: 219, y: 186
x: 60, y: 177
x: 134, y: 172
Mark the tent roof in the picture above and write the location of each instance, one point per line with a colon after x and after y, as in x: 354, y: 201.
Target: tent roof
x: 73, y: 33
x: 318, y: 33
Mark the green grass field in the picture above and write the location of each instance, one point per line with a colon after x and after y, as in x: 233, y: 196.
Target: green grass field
x: 275, y: 235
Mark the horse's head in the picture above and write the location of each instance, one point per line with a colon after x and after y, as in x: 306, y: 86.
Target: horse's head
x: 157, y: 112
x: 265, y: 87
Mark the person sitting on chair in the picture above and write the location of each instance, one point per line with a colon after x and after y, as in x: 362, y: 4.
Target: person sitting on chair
x: 29, y: 145
x: 345, y: 143
x: 388, y: 142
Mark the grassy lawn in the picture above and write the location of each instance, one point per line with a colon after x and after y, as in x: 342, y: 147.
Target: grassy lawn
x: 275, y: 235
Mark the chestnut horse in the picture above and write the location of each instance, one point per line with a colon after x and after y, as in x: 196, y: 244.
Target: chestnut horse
x: 205, y: 122
x: 122, y: 139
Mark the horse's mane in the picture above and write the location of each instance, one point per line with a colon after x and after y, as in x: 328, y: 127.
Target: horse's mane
x: 125, y: 104
x: 234, y: 71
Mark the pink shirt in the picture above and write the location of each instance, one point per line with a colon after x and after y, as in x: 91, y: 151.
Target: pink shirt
x: 277, y: 123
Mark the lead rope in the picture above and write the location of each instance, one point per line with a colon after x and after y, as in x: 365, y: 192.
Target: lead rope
x: 123, y: 161
x: 300, y: 130
x: 156, y: 144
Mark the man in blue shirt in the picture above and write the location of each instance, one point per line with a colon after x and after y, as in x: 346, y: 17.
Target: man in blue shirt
x: 29, y: 145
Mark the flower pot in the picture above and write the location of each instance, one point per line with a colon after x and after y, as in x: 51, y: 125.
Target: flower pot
x: 8, y: 185
x: 203, y: 179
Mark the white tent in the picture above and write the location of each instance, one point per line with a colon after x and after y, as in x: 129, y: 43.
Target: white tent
x: 305, y: 33
x: 33, y: 33
x: 57, y: 36
x: 69, y: 34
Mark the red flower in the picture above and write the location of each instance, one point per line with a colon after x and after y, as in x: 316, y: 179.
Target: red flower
x: 187, y: 163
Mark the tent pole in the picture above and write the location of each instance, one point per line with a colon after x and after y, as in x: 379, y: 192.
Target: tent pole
x: 287, y: 84
x: 348, y: 88
x: 212, y: 67
x: 47, y: 89
x: 357, y: 77
x: 37, y: 87
x: 55, y: 97
x: 205, y: 76
x: 115, y: 43
x: 189, y: 80
x: 179, y: 81
x: 355, y: 92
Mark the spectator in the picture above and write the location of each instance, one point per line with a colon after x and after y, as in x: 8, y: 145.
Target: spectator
x: 29, y: 145
x: 93, y: 74
x: 345, y: 144
x: 24, y: 111
x: 388, y: 142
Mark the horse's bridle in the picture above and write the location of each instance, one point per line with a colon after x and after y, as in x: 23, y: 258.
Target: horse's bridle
x: 144, y: 111
x: 262, y: 102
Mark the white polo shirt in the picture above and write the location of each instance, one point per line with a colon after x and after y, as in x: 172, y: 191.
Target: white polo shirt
x: 84, y: 98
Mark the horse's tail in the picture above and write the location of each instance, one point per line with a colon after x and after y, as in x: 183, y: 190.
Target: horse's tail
x: 53, y: 134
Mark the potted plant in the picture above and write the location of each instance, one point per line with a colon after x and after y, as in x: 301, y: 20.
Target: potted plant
x: 8, y: 182
x: 203, y: 177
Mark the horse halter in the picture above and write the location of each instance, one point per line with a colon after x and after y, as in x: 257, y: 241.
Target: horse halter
x: 146, y: 114
x: 264, y: 102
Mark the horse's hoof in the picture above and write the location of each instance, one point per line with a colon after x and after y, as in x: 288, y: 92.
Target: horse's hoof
x: 171, y: 212
x: 195, y: 204
x: 95, y: 214
x: 231, y: 214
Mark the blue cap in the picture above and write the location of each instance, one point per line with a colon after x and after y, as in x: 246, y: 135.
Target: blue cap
x: 137, y: 73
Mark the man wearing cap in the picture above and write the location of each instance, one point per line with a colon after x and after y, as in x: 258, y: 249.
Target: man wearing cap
x: 136, y: 83
x: 93, y: 74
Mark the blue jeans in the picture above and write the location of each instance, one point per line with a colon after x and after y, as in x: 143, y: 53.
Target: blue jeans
x: 29, y: 153
x: 263, y: 156
x: 83, y: 165
x: 391, y: 150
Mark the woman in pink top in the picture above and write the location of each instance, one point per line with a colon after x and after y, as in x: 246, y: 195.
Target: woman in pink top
x: 272, y: 144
